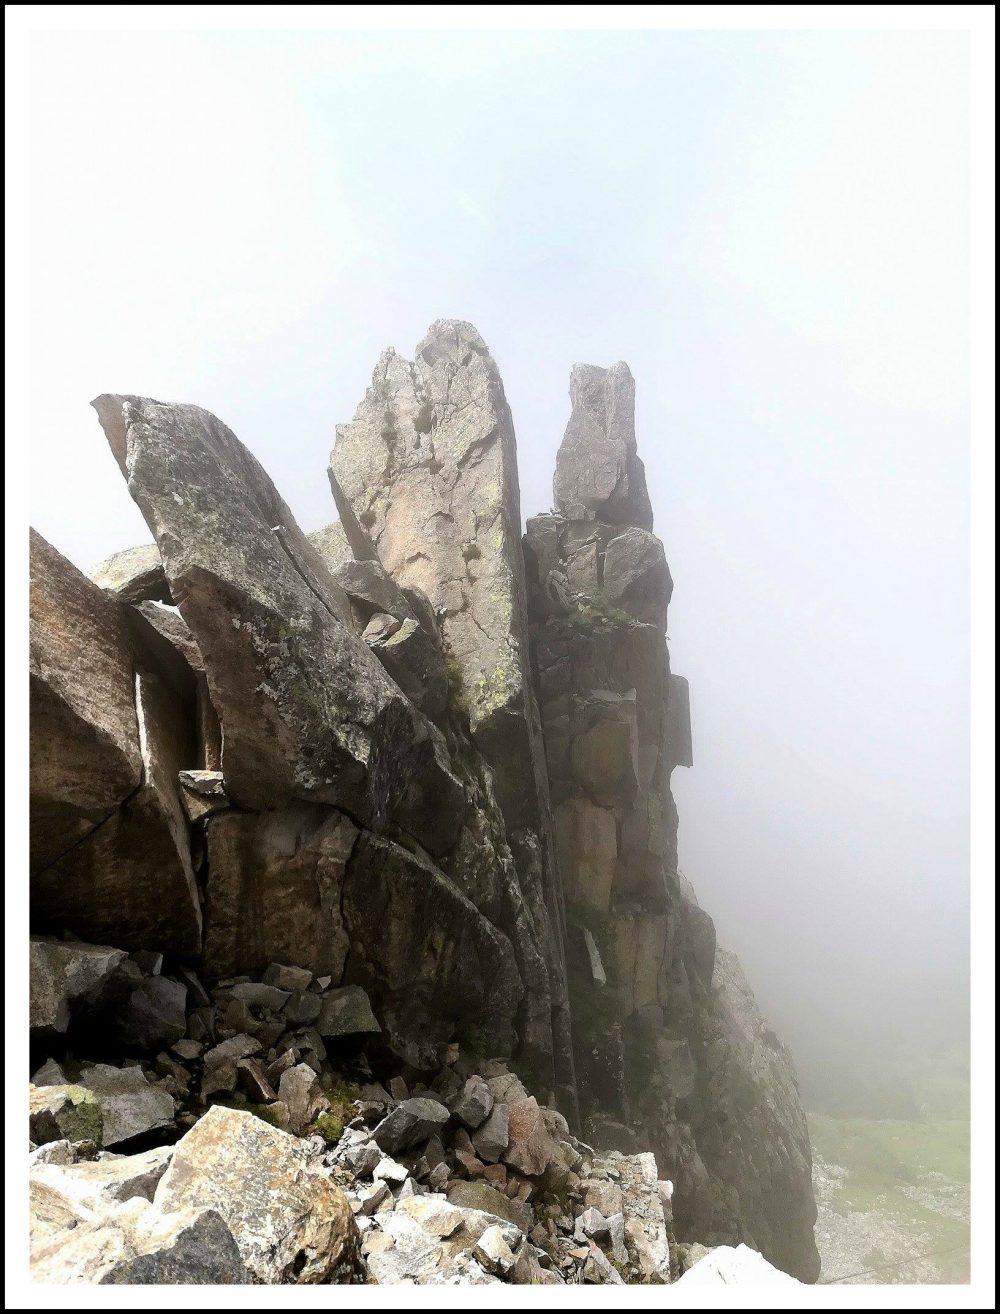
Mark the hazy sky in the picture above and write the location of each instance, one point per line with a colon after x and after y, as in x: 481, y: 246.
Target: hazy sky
x: 770, y: 228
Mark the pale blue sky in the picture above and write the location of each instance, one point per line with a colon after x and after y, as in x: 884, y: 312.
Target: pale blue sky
x: 770, y: 228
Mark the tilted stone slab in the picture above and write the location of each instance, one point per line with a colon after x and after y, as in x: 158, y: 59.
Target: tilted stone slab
x: 307, y: 711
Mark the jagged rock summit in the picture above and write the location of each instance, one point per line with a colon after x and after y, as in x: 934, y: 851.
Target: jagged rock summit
x: 358, y: 929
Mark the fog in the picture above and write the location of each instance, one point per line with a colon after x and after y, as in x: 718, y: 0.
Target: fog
x: 770, y: 229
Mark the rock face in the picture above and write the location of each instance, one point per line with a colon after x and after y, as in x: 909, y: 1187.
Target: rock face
x: 370, y: 841
x: 668, y: 1043
x: 427, y: 471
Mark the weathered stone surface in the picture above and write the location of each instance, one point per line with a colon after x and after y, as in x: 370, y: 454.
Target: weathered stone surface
x: 639, y: 947
x: 432, y: 1242
x: 425, y: 954
x: 300, y: 1090
x: 290, y: 1222
x: 154, y: 1014
x: 306, y: 710
x: 679, y: 751
x: 429, y: 466
x: 473, y: 1103
x: 203, y: 793
x: 636, y: 576
x: 130, y: 880
x: 135, y: 1243
x: 65, y: 976
x: 84, y: 752
x: 599, y: 475
x: 332, y: 545
x: 135, y: 575
x: 130, y: 1105
x: 410, y: 1123
x: 491, y: 1139
x: 488, y: 1200
x: 531, y: 1147
x: 587, y: 844
x: 346, y: 1012
x: 734, y: 1266
x: 64, y: 1112
x: 99, y: 1183
x: 410, y: 656
x: 274, y: 890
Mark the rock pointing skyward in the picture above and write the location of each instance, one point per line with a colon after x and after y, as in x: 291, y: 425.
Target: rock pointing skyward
x: 354, y: 886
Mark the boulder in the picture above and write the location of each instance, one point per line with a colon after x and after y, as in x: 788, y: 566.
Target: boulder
x: 480, y: 1195
x: 490, y: 1140
x: 134, y: 574
x: 636, y: 576
x: 288, y: 1219
x: 97, y: 1184
x: 306, y: 710
x: 531, y: 1147
x: 473, y: 1103
x: 153, y: 1016
x: 135, y: 1243
x: 300, y: 1091
x: 203, y: 793
x: 64, y: 1112
x: 64, y: 976
x: 346, y: 1012
x: 130, y: 880
x: 130, y: 1105
x: 735, y: 1266
x: 410, y: 1123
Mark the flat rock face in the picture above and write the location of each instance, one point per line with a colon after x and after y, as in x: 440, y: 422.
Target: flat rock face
x: 84, y: 753
x: 275, y: 890
x: 429, y: 467
x: 426, y: 953
x: 306, y: 710
x: 290, y: 1222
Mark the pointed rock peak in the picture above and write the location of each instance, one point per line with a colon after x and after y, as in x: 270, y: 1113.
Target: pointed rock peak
x: 599, y: 475
x: 453, y: 340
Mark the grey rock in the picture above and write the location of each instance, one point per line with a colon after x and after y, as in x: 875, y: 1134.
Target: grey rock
x: 490, y: 1141
x: 410, y: 1123
x: 306, y: 710
x: 84, y: 758
x: 64, y: 1112
x: 135, y: 1243
x: 65, y: 976
x: 289, y: 866
x: 433, y: 961
x: 290, y: 1222
x: 134, y: 574
x: 96, y: 1184
x: 346, y: 1012
x: 300, y: 1090
x: 599, y: 475
x: 288, y: 978
x: 487, y: 1199
x: 473, y: 1104
x: 203, y: 793
x: 153, y: 1016
x: 130, y: 1104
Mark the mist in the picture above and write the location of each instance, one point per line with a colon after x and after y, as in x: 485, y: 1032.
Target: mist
x: 770, y: 228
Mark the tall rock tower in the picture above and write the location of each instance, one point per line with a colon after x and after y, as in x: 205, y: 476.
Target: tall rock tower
x: 670, y: 1050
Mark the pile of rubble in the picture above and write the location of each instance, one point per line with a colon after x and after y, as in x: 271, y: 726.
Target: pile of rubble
x: 459, y: 1174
